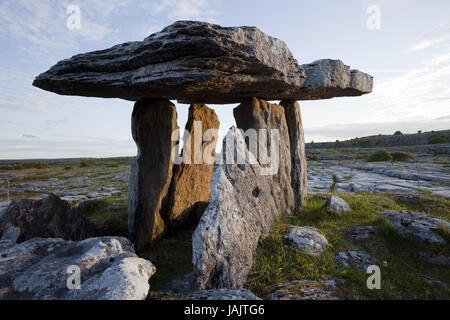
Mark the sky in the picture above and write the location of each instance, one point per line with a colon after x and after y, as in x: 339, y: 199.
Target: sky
x: 404, y: 44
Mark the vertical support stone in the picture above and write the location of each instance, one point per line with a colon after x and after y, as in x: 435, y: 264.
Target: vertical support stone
x: 258, y: 114
x: 298, y: 156
x: 152, y: 124
x: 191, y: 183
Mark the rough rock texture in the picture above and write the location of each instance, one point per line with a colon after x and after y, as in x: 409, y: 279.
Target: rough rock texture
x: 241, y: 209
x: 328, y: 78
x: 355, y: 259
x: 303, y: 290
x: 200, y: 62
x: 37, y: 269
x: 153, y: 122
x: 299, y: 176
x: 307, y: 239
x: 190, y: 189
x: 257, y: 114
x: 418, y: 226
x: 361, y: 232
x: 432, y: 281
x: 183, y: 284
x: 439, y: 260
x: 217, y: 294
x: 336, y: 205
x: 50, y: 217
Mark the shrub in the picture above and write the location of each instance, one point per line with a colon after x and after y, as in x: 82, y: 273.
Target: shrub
x: 379, y: 156
x: 84, y: 164
x: 437, y: 140
x: 398, y: 133
x: 401, y: 156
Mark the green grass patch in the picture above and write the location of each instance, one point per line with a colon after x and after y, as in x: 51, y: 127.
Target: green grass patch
x: 379, y: 156
x: 275, y: 262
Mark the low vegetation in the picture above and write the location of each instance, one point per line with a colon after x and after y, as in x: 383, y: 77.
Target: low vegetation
x: 275, y: 262
x: 383, y: 155
x: 379, y: 156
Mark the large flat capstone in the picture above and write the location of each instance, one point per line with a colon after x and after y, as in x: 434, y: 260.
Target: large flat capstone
x: 198, y: 62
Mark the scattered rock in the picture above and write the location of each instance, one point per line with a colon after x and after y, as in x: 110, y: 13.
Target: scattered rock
x: 308, y: 239
x: 439, y: 260
x: 74, y: 198
x: 336, y: 205
x: 241, y: 209
x: 299, y: 177
x: 355, y: 260
x: 199, y: 62
x: 417, y: 225
x: 50, y: 217
x: 303, y: 290
x: 184, y: 284
x: 153, y: 122
x: 37, y: 270
x: 217, y: 294
x: 190, y: 189
x: 361, y: 232
x: 432, y: 281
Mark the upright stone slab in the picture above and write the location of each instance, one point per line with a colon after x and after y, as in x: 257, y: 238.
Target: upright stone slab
x: 190, y: 189
x: 153, y: 122
x: 258, y: 114
x: 242, y: 208
x: 299, y: 176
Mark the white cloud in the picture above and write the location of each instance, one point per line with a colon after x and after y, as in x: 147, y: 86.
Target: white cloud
x: 422, y: 92
x: 431, y: 39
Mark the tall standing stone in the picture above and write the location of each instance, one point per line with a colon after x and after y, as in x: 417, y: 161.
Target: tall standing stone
x: 299, y: 175
x: 190, y: 189
x: 258, y: 114
x: 242, y: 209
x: 152, y: 123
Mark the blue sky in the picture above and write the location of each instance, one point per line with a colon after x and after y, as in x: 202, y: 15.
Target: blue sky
x: 409, y: 57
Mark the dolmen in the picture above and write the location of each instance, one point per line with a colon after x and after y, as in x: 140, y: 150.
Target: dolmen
x: 260, y: 173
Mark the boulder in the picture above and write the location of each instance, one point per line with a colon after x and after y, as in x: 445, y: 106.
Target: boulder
x: 299, y: 177
x: 241, y: 209
x: 336, y: 205
x: 190, y: 188
x: 153, y: 121
x: 303, y: 290
x: 307, y: 239
x: 49, y: 217
x: 37, y: 269
x: 354, y: 259
x: 256, y: 115
x: 198, y: 62
x: 416, y: 225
